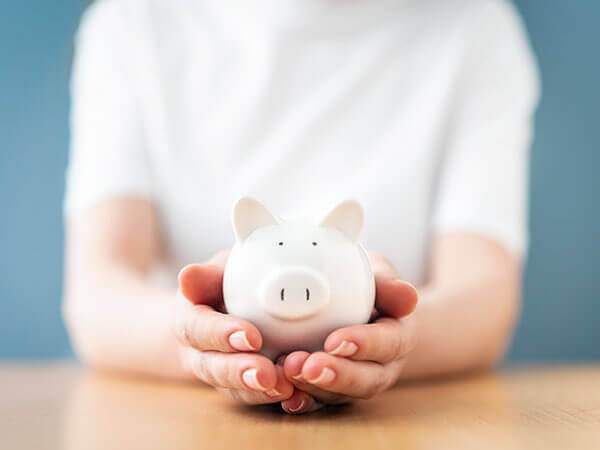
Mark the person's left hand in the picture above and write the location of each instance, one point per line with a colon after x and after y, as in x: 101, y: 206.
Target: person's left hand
x: 360, y: 360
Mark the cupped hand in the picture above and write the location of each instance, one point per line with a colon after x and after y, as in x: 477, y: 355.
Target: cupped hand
x: 219, y: 349
x: 358, y: 361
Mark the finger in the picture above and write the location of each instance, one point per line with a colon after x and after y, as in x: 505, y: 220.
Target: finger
x: 293, y: 371
x: 385, y: 340
x: 283, y: 387
x: 202, y: 283
x: 281, y: 359
x: 206, y: 329
x: 357, y: 379
x: 300, y: 403
x: 248, y: 397
x: 242, y: 371
x: 219, y: 258
x: 394, y: 297
x: 292, y: 365
x: 380, y: 263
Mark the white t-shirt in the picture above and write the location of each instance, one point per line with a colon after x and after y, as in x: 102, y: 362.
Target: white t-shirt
x: 419, y: 109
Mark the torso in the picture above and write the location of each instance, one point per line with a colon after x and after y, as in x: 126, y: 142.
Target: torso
x: 297, y: 117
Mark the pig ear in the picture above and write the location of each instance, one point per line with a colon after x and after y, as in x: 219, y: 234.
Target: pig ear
x: 248, y: 216
x: 348, y: 217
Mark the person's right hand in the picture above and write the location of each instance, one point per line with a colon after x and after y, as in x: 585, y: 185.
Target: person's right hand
x: 219, y: 349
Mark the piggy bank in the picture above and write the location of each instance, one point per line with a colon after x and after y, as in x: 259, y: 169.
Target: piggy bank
x: 298, y: 281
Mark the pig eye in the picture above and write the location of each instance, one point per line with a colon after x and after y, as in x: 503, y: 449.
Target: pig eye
x: 281, y: 243
x: 314, y: 244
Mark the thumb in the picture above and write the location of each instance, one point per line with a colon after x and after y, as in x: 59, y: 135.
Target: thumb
x: 394, y: 297
x: 202, y: 283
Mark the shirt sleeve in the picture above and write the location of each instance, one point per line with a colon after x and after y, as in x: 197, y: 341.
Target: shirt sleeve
x: 107, y: 152
x: 483, y: 184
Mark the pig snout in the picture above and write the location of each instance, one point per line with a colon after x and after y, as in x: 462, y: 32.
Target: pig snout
x: 292, y: 293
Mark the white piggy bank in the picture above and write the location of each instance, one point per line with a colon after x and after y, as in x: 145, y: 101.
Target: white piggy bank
x: 298, y: 281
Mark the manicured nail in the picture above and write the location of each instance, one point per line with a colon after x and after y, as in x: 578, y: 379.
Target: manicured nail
x: 345, y: 349
x: 404, y: 283
x: 251, y: 380
x: 297, y: 408
x: 183, y: 269
x: 326, y: 377
x: 273, y: 393
x: 239, y: 341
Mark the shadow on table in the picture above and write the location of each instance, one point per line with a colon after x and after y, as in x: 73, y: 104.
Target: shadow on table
x: 107, y: 412
x: 425, y: 398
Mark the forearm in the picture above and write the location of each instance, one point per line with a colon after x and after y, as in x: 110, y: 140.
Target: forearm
x: 467, y: 312
x: 118, y: 320
x: 459, y: 331
x: 116, y: 317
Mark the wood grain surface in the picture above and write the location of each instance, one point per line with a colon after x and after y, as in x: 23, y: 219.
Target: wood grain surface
x: 61, y: 406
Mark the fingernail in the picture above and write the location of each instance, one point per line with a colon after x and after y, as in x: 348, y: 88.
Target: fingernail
x: 298, y: 377
x: 345, y: 349
x: 297, y: 408
x: 239, y: 341
x: 273, y: 393
x: 183, y: 269
x: 405, y: 283
x: 327, y: 376
x: 251, y: 380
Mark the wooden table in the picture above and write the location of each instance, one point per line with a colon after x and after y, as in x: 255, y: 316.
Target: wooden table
x: 62, y: 406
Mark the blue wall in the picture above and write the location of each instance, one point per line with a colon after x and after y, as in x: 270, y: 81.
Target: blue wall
x: 35, y: 52
x: 561, y: 318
